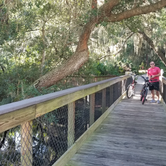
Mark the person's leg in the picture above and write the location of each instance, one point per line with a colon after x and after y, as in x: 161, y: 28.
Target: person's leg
x: 157, y: 94
x: 156, y: 87
x: 152, y: 93
x: 151, y: 88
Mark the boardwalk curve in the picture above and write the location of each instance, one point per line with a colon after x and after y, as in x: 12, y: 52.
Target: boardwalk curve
x: 132, y: 135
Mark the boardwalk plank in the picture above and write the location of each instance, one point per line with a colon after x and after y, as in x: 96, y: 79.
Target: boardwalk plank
x: 132, y: 135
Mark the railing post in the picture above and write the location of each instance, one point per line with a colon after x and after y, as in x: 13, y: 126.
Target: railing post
x: 163, y: 96
x: 119, y: 89
x: 26, y: 144
x: 123, y: 86
x: 103, y: 100
x: 71, y: 124
x: 114, y: 92
x: 161, y: 82
x: 92, y: 109
x: 111, y: 95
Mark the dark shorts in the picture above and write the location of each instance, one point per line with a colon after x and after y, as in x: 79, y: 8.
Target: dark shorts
x: 154, y: 86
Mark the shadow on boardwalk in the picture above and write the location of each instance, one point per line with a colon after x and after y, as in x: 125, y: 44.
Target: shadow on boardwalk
x: 132, y: 135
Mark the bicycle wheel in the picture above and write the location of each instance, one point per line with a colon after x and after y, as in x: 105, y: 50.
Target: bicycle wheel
x: 129, y: 92
x: 144, y: 96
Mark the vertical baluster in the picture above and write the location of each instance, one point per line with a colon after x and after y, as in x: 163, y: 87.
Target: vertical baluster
x: 114, y: 93
x: 123, y: 86
x: 92, y: 108
x: 119, y: 89
x: 164, y: 93
x: 161, y: 83
x: 103, y: 100
x: 71, y: 124
x: 26, y: 144
x: 111, y: 95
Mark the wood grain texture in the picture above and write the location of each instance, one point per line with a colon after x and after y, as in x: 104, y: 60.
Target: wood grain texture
x: 83, y: 90
x: 164, y: 80
x: 73, y: 149
x: 71, y: 124
x: 12, y: 115
x: 45, y: 107
x: 13, y: 119
x: 92, y: 109
x: 26, y: 144
x: 103, y: 100
x: 132, y: 135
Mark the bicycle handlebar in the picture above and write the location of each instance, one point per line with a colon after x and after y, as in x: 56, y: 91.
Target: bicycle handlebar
x: 146, y: 80
x: 143, y: 78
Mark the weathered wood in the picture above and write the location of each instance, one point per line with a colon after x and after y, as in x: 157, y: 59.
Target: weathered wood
x: 76, y: 146
x: 14, y: 114
x: 50, y: 105
x: 114, y: 92
x: 161, y: 83
x: 119, y: 88
x: 111, y: 95
x: 103, y: 100
x: 123, y: 86
x: 92, y: 109
x: 40, y: 99
x: 164, y: 80
x: 26, y: 144
x: 133, y: 134
x: 13, y: 119
x: 71, y: 124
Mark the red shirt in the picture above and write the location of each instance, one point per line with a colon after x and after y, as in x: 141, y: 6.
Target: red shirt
x: 154, y: 71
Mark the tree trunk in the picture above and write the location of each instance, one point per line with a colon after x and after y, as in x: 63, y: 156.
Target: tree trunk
x: 158, y: 51
x: 81, y: 54
x: 44, y: 51
x: 73, y: 64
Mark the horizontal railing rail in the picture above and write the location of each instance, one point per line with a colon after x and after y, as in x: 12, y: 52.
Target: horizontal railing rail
x: 39, y: 130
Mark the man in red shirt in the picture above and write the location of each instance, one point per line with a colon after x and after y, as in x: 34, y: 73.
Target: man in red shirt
x: 153, y: 74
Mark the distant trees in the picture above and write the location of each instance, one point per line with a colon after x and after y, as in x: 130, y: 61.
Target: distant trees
x: 41, y: 42
x: 111, y: 11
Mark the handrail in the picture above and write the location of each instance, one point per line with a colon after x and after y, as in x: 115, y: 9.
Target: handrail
x: 29, y: 109
x: 27, y: 112
x: 39, y: 99
x: 163, y: 89
x: 164, y: 80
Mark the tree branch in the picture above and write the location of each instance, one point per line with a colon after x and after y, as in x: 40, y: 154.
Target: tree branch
x: 136, y: 11
x: 81, y: 54
x: 131, y: 34
x: 160, y: 54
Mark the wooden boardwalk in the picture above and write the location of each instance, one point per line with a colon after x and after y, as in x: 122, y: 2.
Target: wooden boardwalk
x: 132, y: 135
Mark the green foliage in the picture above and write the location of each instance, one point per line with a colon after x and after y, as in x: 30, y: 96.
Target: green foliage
x: 104, y: 24
x: 33, y: 29
x: 96, y: 68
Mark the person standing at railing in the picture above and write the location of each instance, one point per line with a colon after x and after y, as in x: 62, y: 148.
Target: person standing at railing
x: 153, y: 74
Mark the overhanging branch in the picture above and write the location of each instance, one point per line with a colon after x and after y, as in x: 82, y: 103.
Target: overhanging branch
x: 131, y: 34
x: 81, y: 55
x: 160, y: 54
x: 136, y: 11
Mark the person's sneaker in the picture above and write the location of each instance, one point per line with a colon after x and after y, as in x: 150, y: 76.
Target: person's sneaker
x: 152, y: 101
x: 158, y: 102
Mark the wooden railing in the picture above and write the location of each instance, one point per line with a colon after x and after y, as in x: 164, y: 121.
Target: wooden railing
x: 43, y: 129
x: 163, y: 89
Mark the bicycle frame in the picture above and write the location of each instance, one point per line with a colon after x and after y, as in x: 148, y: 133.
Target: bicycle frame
x: 144, y: 90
